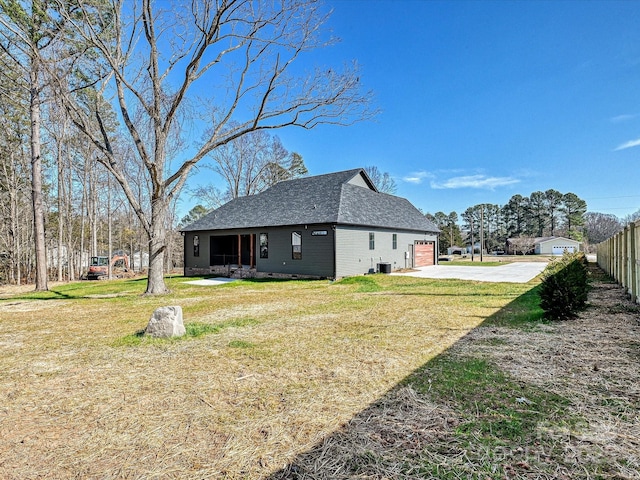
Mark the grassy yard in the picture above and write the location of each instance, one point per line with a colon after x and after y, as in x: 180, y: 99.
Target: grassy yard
x: 271, y: 378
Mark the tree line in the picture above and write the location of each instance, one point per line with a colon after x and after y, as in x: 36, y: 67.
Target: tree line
x: 109, y: 106
x: 522, y: 218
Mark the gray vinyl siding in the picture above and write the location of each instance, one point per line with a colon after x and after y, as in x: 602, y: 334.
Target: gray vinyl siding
x: 190, y: 260
x: 359, y: 181
x: 353, y: 256
x: 317, y: 251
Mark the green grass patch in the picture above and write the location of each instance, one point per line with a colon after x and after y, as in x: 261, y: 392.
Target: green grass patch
x: 366, y: 283
x: 193, y: 330
x: 495, y: 411
x: 523, y: 311
x: 241, y: 344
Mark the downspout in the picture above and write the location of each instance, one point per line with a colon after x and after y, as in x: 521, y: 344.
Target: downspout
x: 335, y: 264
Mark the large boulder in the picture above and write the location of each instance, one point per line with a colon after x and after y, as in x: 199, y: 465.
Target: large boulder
x: 166, y: 322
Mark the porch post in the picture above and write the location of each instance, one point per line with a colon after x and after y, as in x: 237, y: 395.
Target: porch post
x: 239, y: 250
x: 251, y: 250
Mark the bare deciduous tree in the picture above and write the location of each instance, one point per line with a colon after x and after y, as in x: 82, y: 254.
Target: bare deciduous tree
x: 15, y: 193
x: 522, y: 244
x: 237, y: 53
x: 601, y: 226
x: 26, y: 33
x: 384, y: 182
x: 252, y: 163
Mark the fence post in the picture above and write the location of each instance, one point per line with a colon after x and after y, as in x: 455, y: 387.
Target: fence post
x: 620, y: 257
x: 625, y: 259
x: 633, y: 262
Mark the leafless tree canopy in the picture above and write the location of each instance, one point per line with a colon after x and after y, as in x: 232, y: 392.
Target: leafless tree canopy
x: 601, y: 226
x: 384, y: 182
x: 187, y: 78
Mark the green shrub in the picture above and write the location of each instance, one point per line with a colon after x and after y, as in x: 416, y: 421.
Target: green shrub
x: 565, y: 285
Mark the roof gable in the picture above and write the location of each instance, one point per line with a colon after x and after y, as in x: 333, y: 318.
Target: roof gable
x: 540, y: 240
x: 361, y: 179
x: 347, y: 197
x: 549, y: 239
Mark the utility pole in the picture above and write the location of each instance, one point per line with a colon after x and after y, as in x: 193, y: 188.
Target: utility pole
x: 473, y: 247
x: 481, y: 230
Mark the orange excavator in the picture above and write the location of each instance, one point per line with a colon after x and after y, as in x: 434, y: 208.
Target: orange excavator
x: 99, y: 267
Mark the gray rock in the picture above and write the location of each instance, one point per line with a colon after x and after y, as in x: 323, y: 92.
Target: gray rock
x: 166, y: 322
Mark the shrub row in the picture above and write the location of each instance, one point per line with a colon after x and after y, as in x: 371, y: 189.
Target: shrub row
x: 565, y: 285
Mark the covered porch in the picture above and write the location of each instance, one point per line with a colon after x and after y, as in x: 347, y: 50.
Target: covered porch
x: 232, y: 251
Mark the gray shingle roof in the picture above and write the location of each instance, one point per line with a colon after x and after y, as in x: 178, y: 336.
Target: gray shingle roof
x: 328, y: 198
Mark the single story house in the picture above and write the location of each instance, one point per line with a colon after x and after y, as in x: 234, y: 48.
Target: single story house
x: 326, y: 226
x: 542, y: 245
x: 555, y: 245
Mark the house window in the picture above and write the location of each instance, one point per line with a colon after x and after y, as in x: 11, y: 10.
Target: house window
x: 394, y: 241
x: 296, y: 245
x: 372, y: 241
x: 196, y: 246
x: 264, y: 245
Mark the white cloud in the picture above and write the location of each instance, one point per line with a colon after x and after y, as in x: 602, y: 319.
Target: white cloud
x: 629, y: 144
x: 475, y: 181
x: 417, y: 177
x: 622, y: 118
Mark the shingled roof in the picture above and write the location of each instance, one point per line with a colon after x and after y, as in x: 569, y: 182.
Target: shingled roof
x: 337, y: 198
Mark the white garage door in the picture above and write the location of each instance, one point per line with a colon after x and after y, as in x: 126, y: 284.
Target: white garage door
x: 561, y: 250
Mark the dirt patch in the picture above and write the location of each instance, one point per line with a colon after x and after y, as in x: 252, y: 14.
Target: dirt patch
x: 27, y: 306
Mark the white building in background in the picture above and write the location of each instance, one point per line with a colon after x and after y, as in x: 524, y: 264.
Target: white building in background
x: 139, y: 261
x: 555, y: 245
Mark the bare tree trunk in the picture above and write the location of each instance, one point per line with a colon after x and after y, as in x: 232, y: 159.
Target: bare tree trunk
x: 157, y: 245
x: 83, y: 215
x: 14, y: 229
x: 18, y: 249
x: 61, y: 208
x: 83, y: 218
x: 36, y: 182
x: 70, y: 222
x: 109, y: 239
x: 93, y: 214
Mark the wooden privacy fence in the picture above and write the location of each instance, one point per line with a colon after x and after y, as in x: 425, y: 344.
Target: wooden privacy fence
x: 619, y: 256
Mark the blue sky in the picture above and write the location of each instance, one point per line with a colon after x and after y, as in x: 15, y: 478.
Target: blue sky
x: 482, y: 100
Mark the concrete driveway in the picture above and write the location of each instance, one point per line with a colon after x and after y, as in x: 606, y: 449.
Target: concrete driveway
x: 516, y: 272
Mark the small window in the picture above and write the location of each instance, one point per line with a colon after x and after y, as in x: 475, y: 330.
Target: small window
x: 296, y: 245
x: 372, y: 241
x: 264, y: 245
x: 196, y: 246
x: 394, y: 241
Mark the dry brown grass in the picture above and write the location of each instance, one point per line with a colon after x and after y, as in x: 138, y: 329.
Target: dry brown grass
x: 311, y: 388
x: 238, y: 404
x: 589, y: 364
